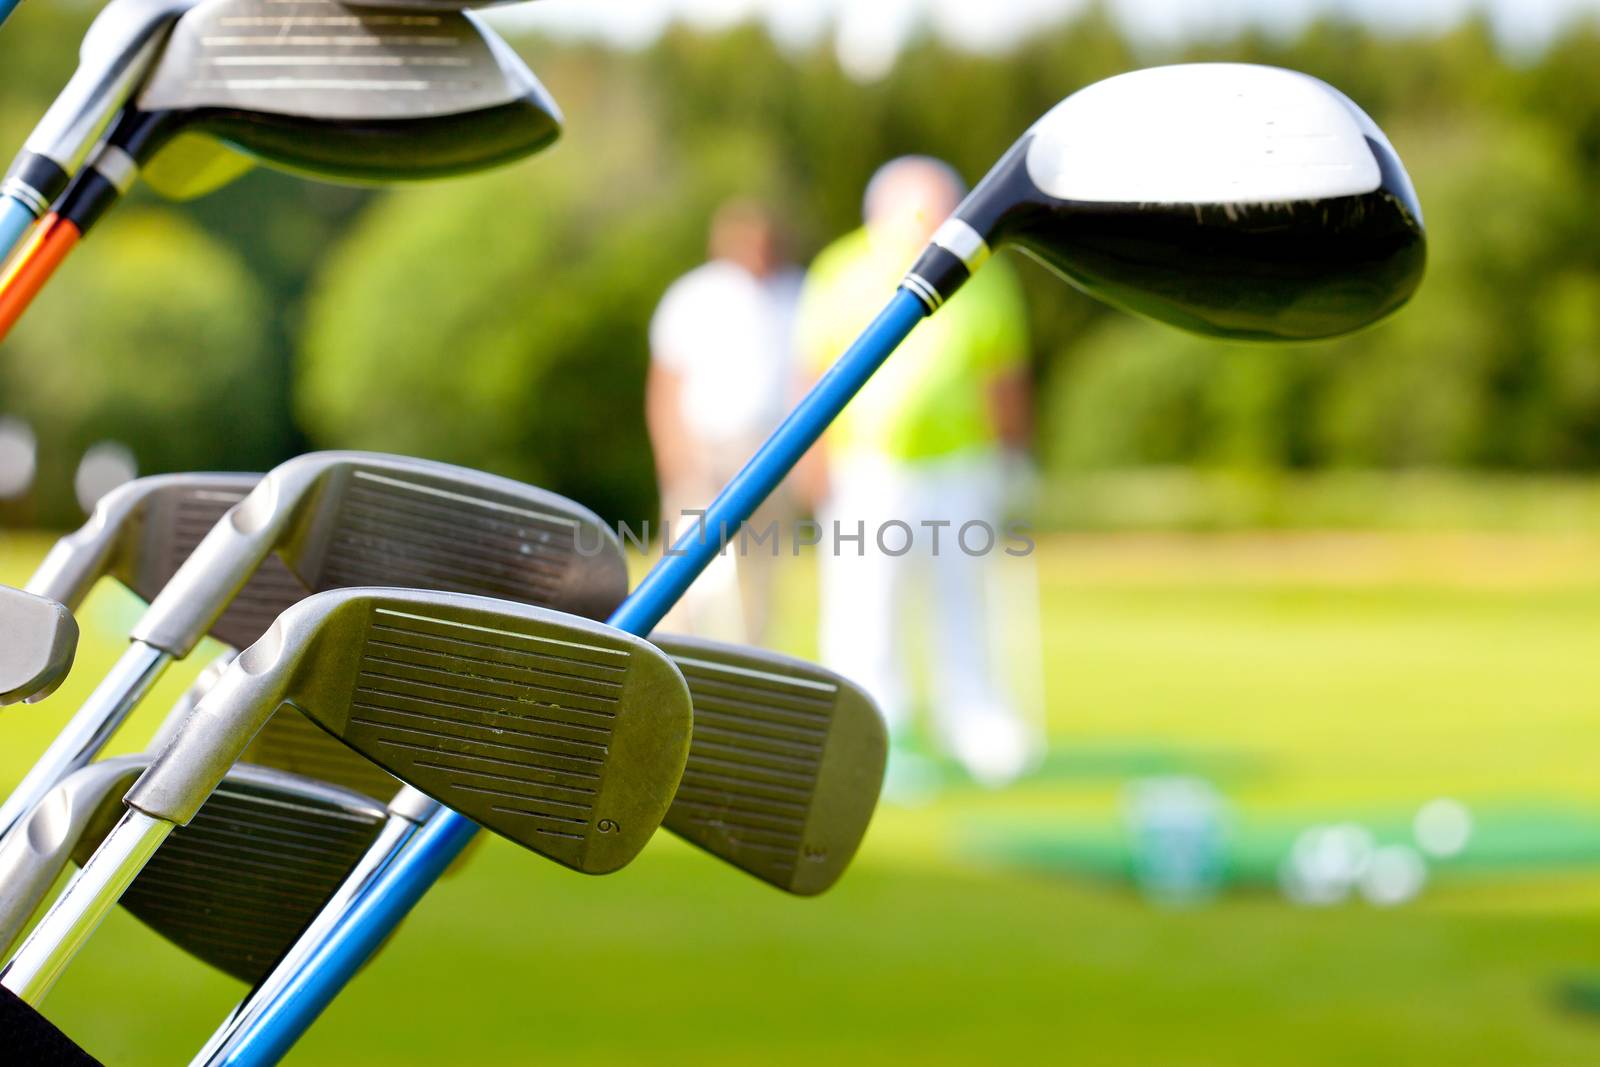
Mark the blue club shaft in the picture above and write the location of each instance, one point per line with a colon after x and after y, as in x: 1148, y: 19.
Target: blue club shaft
x: 425, y: 857
x: 6, y: 8
x: 15, y: 219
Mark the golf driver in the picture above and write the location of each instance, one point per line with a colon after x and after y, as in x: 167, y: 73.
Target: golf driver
x: 233, y: 888
x: 117, y: 52
x: 565, y: 735
x: 342, y: 519
x: 38, y: 639
x: 334, y: 92
x: 1257, y: 151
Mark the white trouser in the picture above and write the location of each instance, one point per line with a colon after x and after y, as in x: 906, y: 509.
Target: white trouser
x: 731, y: 600
x: 867, y: 599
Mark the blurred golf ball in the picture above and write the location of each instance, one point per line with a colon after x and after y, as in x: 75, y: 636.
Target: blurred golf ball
x: 1395, y: 876
x: 1442, y: 828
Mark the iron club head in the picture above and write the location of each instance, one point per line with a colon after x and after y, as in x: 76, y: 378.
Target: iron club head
x: 340, y: 519
x: 1227, y: 199
x: 143, y: 531
x: 233, y: 888
x: 785, y: 766
x: 563, y: 734
x: 38, y: 640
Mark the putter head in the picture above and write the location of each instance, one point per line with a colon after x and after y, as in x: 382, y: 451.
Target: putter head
x: 785, y: 767
x: 38, y: 640
x: 233, y: 888
x: 560, y: 733
x: 343, y: 519
x: 1232, y: 200
x: 143, y: 531
x: 358, y: 94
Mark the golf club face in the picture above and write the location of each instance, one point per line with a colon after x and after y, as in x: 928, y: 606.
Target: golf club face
x: 1231, y: 200
x: 343, y: 519
x: 785, y: 767
x: 293, y: 743
x: 358, y: 94
x: 238, y: 884
x: 38, y: 640
x: 233, y: 888
x: 143, y: 531
x: 560, y: 733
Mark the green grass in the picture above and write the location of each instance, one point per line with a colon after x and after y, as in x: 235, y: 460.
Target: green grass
x: 1316, y: 675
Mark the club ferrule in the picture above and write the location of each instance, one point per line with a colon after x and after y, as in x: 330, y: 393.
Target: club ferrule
x: 35, y: 181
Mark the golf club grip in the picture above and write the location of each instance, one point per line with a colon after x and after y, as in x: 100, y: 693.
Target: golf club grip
x: 33, y: 267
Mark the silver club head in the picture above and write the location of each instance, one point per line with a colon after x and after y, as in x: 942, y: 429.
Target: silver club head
x: 142, y: 532
x: 38, y: 640
x: 341, y: 519
x: 1226, y: 199
x: 785, y: 767
x: 364, y: 94
x: 563, y: 734
x: 233, y: 888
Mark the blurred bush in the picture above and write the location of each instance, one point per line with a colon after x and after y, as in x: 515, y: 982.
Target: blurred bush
x: 152, y: 338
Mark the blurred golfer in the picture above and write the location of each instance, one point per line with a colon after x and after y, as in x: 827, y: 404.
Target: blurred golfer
x: 721, y: 377
x: 925, y: 444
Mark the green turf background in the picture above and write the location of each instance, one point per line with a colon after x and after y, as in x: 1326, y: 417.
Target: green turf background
x: 1315, y: 676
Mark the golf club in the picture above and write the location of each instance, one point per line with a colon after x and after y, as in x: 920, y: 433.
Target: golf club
x: 562, y: 734
x: 233, y: 888
x: 1227, y: 186
x: 394, y: 95
x: 38, y: 640
x: 117, y: 52
x: 342, y: 519
x: 141, y: 533
x: 785, y: 766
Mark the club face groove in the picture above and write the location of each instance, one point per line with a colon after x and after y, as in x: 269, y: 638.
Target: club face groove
x: 560, y: 733
x: 292, y: 743
x: 237, y: 885
x: 785, y: 767
x: 364, y: 93
x: 378, y: 521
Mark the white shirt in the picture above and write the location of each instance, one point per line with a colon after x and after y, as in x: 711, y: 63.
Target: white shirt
x: 727, y: 335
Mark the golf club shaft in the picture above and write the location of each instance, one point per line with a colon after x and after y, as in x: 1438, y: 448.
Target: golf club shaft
x: 33, y: 267
x: 27, y: 875
x: 91, y: 194
x: 263, y: 1029
x: 89, y: 730
x: 15, y: 220
x: 6, y: 8
x: 78, y: 912
x: 250, y: 1013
